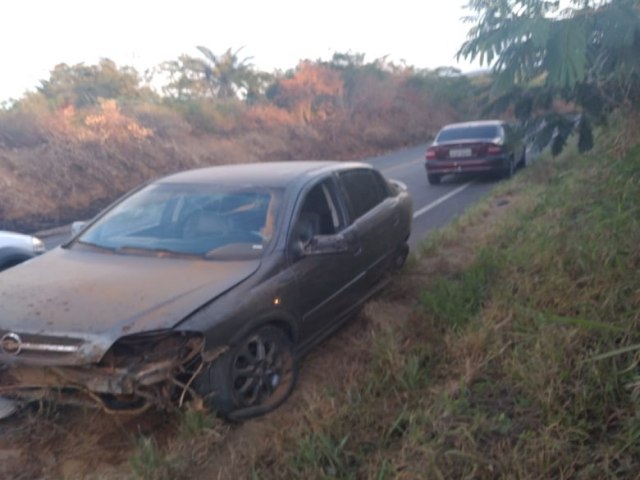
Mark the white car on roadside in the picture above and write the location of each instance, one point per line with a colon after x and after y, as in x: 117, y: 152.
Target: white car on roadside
x: 15, y: 248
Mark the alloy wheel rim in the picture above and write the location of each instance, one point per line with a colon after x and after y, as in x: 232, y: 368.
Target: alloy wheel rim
x: 260, y: 373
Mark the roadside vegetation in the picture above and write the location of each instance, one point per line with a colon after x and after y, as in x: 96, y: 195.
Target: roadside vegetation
x: 92, y: 132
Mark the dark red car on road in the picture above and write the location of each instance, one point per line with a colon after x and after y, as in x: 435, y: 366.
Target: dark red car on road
x: 475, y: 147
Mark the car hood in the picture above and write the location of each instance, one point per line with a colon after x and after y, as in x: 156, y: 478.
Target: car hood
x: 99, y: 297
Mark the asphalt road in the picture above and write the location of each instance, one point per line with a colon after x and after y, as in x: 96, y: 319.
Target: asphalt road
x: 52, y: 241
x: 434, y: 205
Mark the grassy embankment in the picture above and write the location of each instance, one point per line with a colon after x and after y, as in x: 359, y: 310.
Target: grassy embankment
x: 520, y: 362
x: 510, y: 348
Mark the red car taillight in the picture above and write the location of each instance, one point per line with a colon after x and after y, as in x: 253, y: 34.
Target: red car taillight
x: 431, y: 154
x: 494, y: 149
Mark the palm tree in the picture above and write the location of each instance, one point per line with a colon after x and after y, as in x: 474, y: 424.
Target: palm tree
x: 226, y: 75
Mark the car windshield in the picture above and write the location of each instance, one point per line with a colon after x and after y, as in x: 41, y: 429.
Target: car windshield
x: 176, y: 219
x: 484, y: 132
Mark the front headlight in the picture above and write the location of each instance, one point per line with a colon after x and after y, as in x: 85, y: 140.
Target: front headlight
x: 154, y: 346
x: 38, y: 246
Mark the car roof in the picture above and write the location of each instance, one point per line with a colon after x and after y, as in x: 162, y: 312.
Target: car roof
x: 268, y: 174
x: 478, y: 123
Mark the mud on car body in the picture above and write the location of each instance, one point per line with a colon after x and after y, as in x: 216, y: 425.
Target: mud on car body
x: 205, y: 284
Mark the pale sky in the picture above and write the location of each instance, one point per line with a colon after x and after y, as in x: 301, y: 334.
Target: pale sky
x: 38, y: 34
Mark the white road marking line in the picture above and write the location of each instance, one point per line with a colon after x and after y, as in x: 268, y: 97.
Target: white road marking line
x: 402, y: 165
x: 442, y: 199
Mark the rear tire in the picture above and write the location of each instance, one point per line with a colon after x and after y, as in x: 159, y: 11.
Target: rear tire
x: 253, y: 378
x: 434, y: 178
x: 507, y: 173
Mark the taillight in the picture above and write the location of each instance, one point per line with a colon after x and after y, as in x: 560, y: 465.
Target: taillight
x: 494, y: 149
x: 431, y: 154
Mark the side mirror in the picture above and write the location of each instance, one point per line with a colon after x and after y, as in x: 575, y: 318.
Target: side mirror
x: 326, y: 245
x: 76, y: 227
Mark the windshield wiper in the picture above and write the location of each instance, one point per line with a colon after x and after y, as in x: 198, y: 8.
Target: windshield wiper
x: 153, y: 251
x: 96, y: 245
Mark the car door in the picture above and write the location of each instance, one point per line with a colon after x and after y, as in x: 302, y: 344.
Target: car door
x: 375, y: 215
x: 327, y: 283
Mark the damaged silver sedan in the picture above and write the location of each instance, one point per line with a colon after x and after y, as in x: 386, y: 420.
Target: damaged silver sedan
x: 208, y: 284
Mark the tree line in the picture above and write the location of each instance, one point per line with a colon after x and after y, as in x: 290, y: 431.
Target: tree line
x: 210, y: 90
x: 558, y: 71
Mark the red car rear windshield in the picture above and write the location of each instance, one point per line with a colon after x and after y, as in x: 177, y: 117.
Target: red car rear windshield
x: 485, y: 132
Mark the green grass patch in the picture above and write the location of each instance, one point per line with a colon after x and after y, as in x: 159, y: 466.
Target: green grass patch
x: 327, y: 455
x: 149, y: 462
x: 194, y: 435
x: 455, y: 300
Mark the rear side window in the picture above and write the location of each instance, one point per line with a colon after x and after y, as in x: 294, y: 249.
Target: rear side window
x: 487, y: 132
x: 364, y: 189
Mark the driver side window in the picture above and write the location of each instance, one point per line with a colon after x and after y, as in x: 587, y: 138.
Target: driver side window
x: 319, y: 214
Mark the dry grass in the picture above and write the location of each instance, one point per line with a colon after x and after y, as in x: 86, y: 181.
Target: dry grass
x: 61, y: 164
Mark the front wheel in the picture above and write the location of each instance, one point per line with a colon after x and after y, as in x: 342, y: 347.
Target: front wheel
x: 434, y: 178
x: 400, y: 257
x: 253, y: 378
